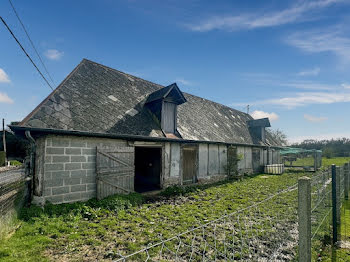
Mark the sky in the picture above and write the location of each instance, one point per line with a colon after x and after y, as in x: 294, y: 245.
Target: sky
x: 287, y: 60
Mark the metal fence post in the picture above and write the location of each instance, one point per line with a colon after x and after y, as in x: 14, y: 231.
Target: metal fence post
x: 304, y: 219
x: 346, y: 181
x: 334, y: 204
x: 338, y: 190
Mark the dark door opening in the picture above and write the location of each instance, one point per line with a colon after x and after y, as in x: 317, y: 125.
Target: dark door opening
x: 147, y: 168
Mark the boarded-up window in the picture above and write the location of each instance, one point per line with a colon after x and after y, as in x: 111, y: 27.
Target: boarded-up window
x: 169, y: 117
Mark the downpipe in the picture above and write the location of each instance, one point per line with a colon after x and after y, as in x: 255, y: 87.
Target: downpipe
x: 31, y: 165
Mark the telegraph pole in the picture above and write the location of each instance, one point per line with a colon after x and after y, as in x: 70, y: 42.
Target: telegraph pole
x: 4, y: 138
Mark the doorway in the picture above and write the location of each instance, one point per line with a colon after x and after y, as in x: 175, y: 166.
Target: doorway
x: 147, y: 168
x: 189, y: 165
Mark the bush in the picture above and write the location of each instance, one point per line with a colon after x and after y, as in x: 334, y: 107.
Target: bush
x: 2, y: 158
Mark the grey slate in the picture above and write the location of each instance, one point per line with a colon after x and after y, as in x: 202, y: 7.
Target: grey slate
x: 99, y: 99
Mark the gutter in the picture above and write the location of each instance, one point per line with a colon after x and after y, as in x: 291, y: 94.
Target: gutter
x: 44, y: 131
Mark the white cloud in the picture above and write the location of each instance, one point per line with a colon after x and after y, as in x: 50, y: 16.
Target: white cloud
x: 345, y: 85
x: 4, y: 98
x: 333, y: 40
x: 183, y: 82
x: 292, y: 14
x: 311, y: 72
x: 53, y: 54
x: 261, y: 114
x: 4, y: 78
x: 315, y: 119
x: 298, y: 139
x: 302, y: 99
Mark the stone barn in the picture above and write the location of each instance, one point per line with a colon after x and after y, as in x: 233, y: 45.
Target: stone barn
x: 102, y: 131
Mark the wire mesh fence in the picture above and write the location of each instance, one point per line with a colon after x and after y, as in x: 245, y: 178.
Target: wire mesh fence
x: 265, y: 231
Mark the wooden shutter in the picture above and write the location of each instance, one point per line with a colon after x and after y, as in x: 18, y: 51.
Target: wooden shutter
x: 115, y: 171
x: 169, y: 117
x: 189, y: 165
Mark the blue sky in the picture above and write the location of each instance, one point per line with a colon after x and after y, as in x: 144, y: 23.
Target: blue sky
x: 289, y: 60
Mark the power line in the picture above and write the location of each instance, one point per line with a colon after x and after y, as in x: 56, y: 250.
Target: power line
x: 8, y: 28
x: 31, y: 42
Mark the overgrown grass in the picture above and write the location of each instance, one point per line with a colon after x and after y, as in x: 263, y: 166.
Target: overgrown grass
x: 99, y: 230
x: 309, y: 161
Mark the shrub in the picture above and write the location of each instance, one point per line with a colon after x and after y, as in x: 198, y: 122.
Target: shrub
x: 2, y: 158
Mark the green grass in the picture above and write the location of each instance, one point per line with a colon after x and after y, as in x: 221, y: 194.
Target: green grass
x: 330, y: 253
x: 309, y: 161
x: 98, y: 230
x: 101, y: 229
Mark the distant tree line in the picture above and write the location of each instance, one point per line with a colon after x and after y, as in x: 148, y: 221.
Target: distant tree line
x: 330, y: 148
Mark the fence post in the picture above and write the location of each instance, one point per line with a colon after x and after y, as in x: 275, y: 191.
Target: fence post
x: 338, y: 190
x: 334, y: 204
x: 346, y: 181
x: 304, y: 219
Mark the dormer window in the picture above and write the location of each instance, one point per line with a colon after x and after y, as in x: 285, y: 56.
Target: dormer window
x: 257, y: 128
x: 163, y: 104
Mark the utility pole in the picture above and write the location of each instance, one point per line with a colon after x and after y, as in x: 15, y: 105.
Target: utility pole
x: 247, y: 109
x: 4, y: 138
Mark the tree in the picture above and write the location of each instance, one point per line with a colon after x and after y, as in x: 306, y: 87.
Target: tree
x: 279, y: 136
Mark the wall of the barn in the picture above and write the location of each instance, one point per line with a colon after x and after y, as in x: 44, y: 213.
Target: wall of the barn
x: 68, y: 171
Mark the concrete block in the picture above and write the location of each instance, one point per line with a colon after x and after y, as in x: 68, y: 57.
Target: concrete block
x: 91, y: 159
x: 71, y: 197
x: 78, y: 188
x: 54, y: 151
x: 60, y: 159
x: 47, y: 175
x: 47, y: 192
x: 59, y: 174
x: 54, y: 199
x: 48, y: 159
x: 60, y: 142
x: 89, y: 151
x: 89, y: 165
x: 54, y: 167
x: 77, y: 143
x: 78, y: 173
x: 60, y: 190
x: 72, y: 166
x: 90, y: 187
x: 71, y: 181
x: 53, y: 183
x: 91, y: 172
x: 88, y: 195
x: 78, y: 158
x: 88, y: 180
x: 73, y: 151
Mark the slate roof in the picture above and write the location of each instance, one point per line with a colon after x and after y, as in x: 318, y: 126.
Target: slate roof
x: 98, y: 99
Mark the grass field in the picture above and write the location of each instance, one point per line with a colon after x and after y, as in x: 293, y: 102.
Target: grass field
x: 309, y: 161
x: 98, y: 230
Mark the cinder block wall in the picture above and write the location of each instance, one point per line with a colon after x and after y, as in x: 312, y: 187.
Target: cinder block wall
x: 70, y: 167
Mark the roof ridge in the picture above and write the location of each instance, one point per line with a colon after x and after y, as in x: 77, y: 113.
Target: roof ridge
x: 111, y: 68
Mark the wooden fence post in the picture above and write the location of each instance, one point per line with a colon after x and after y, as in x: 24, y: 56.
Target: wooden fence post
x: 304, y: 218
